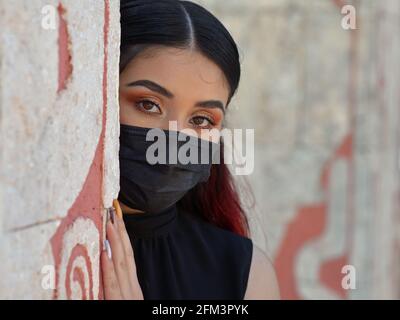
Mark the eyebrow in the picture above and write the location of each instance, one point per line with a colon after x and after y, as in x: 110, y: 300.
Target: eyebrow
x: 151, y: 85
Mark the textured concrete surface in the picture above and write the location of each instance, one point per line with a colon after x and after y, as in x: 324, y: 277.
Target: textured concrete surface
x: 324, y: 103
x: 58, y: 105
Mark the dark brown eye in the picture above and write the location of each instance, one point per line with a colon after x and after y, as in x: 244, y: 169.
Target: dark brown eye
x: 148, y: 106
x: 202, y: 122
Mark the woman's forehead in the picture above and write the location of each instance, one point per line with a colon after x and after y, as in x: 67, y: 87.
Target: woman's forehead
x: 182, y: 71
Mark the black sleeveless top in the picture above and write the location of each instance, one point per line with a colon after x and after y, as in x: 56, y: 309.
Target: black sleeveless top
x: 179, y: 255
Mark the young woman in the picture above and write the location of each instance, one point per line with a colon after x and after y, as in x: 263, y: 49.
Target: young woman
x: 184, y: 234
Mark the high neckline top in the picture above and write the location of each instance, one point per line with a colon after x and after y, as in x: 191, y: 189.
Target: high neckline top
x: 179, y: 255
x: 145, y: 225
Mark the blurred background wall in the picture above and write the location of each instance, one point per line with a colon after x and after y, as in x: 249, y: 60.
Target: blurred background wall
x: 325, y: 105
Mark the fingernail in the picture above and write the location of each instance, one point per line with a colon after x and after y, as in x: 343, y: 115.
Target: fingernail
x: 111, y: 212
x: 117, y: 208
x: 108, y: 248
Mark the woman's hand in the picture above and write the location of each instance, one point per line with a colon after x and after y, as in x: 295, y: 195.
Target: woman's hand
x: 120, y: 281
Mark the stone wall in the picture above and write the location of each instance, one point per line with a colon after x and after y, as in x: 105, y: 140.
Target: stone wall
x: 325, y: 106
x: 59, y: 156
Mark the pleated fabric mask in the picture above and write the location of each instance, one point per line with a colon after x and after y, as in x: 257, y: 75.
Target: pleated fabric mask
x: 158, y: 167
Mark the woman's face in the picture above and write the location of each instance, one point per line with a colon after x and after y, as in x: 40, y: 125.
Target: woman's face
x: 172, y: 85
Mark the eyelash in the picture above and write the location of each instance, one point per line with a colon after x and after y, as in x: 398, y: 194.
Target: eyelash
x: 147, y: 101
x: 137, y: 104
x: 210, y: 120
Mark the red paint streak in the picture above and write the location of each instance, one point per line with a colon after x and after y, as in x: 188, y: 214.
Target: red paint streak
x: 339, y: 3
x: 307, y: 225
x: 78, y: 275
x: 105, y: 96
x: 347, y: 150
x: 331, y: 275
x: 330, y: 270
x: 343, y: 151
x: 64, y: 56
x: 89, y: 203
x: 80, y: 278
x: 105, y: 66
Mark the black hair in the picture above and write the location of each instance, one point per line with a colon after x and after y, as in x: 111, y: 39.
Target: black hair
x: 186, y: 25
x: 178, y: 24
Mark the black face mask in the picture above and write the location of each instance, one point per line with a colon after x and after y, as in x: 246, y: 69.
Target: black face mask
x: 150, y: 187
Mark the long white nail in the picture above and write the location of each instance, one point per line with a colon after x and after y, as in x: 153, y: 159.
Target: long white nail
x: 108, y: 249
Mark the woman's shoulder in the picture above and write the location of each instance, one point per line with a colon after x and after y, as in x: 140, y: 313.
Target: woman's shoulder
x: 257, y: 270
x: 262, y: 283
x: 237, y: 257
